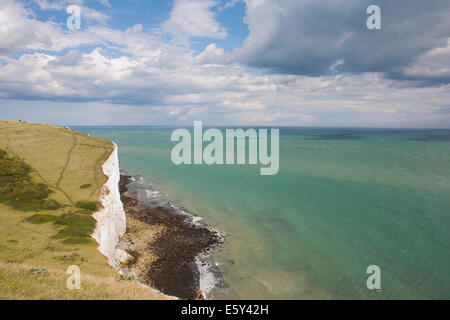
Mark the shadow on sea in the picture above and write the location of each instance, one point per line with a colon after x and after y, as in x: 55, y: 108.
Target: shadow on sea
x: 337, y: 136
x: 437, y: 135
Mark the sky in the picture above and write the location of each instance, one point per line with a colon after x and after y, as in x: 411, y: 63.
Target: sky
x: 305, y: 63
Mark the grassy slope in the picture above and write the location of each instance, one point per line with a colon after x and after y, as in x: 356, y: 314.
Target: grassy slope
x: 64, y: 160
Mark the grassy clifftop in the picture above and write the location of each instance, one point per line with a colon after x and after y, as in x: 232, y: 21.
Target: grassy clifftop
x: 62, y: 159
x: 50, y: 179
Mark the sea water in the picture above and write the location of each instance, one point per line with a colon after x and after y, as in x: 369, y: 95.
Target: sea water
x: 343, y: 200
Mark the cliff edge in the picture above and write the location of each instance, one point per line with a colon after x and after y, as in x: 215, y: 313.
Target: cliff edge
x: 60, y: 206
x: 111, y: 219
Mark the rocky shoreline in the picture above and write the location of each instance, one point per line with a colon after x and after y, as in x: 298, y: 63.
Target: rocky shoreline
x: 164, y: 246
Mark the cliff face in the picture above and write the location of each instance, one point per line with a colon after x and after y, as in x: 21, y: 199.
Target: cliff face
x: 111, y: 220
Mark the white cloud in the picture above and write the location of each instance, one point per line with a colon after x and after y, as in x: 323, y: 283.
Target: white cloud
x: 88, y: 14
x: 229, y: 4
x: 91, y: 15
x: 62, y: 4
x: 322, y: 37
x: 434, y: 64
x: 306, y: 118
x: 20, y: 31
x: 149, y: 79
x: 194, y: 18
x: 55, y: 5
x: 213, y: 55
x: 219, y: 93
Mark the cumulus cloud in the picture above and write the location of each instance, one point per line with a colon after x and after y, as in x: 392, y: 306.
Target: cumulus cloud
x: 229, y: 4
x: 432, y: 68
x: 88, y: 14
x: 21, y: 31
x: 213, y: 54
x: 320, y: 37
x: 133, y: 76
x: 62, y: 4
x: 218, y: 93
x: 194, y: 18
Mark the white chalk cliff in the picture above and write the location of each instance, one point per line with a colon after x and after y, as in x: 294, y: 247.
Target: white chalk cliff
x: 111, y: 219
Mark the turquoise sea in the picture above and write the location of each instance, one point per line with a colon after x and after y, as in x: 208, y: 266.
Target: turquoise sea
x: 344, y: 199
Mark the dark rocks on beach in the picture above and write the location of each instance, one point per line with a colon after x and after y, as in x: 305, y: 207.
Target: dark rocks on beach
x: 174, y: 272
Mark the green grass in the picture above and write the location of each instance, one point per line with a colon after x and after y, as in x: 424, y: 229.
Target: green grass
x: 88, y: 205
x: 51, y: 204
x: 17, y: 189
x: 127, y: 278
x: 40, y: 218
x: 41, y: 169
x: 78, y: 240
x: 78, y: 232
x: 60, y: 158
x: 71, y: 259
x: 38, y: 270
x: 74, y: 220
x: 84, y: 211
x: 17, y: 282
x: 19, y: 192
x: 76, y: 227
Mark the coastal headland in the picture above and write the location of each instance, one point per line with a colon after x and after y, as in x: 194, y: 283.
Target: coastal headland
x: 59, y: 207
